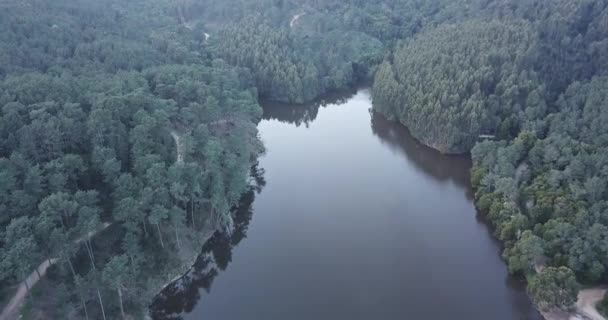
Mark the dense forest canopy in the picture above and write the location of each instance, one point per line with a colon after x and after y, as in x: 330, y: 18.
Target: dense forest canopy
x: 97, y: 101
x: 298, y: 50
x: 456, y: 82
x: 529, y: 75
x: 546, y: 194
x: 493, y: 72
x: 134, y: 121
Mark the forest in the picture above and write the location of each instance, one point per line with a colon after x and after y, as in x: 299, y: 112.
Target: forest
x: 521, y: 85
x: 122, y: 147
x: 128, y: 128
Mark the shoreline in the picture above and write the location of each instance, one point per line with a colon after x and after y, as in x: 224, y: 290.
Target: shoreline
x: 13, y: 308
x: 207, y: 234
x: 585, y: 307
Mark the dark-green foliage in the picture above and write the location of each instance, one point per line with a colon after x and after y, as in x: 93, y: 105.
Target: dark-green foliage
x: 554, y: 288
x: 556, y: 180
x: 529, y: 75
x: 456, y: 82
x: 91, y: 96
x: 297, y: 68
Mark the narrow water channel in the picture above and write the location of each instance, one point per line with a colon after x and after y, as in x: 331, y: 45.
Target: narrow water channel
x: 356, y: 221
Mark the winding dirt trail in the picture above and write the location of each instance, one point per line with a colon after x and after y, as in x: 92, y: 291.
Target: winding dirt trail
x: 180, y: 148
x: 186, y: 24
x: 11, y: 310
x: 587, y: 300
x: 295, y: 19
x: 585, y: 307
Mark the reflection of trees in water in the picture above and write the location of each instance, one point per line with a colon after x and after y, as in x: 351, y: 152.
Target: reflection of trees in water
x: 182, y: 295
x: 299, y: 114
x: 443, y: 168
x: 430, y: 161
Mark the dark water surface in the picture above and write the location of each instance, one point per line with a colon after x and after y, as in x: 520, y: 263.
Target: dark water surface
x: 356, y: 221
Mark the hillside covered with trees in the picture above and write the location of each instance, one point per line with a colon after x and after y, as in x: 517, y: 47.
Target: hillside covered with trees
x: 97, y: 101
x: 298, y: 50
x: 530, y: 77
x: 546, y: 194
x: 128, y: 128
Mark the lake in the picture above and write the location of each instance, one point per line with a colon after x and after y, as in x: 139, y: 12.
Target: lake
x: 355, y: 220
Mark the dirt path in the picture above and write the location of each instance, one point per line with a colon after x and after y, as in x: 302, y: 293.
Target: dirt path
x: 585, y: 307
x: 11, y: 310
x: 182, y: 19
x: 180, y: 148
x: 186, y: 24
x: 587, y: 300
x: 295, y: 19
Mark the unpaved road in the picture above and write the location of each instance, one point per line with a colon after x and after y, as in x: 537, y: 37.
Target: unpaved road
x: 587, y: 300
x: 585, y: 307
x: 295, y: 19
x: 180, y: 148
x: 11, y: 310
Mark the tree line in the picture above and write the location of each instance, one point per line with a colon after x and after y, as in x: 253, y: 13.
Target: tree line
x: 92, y: 97
x: 97, y: 98
x: 529, y: 76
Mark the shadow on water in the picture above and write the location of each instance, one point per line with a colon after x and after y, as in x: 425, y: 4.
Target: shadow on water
x: 303, y: 114
x: 182, y: 295
x: 391, y: 133
x: 442, y: 167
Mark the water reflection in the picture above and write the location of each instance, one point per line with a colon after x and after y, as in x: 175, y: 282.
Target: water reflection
x: 432, y: 162
x: 304, y: 114
x: 391, y: 133
x: 441, y: 167
x: 354, y: 224
x: 182, y: 295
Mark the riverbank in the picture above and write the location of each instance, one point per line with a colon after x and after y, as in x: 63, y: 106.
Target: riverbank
x: 12, y: 309
x: 206, y: 235
x: 585, y: 308
x: 303, y: 256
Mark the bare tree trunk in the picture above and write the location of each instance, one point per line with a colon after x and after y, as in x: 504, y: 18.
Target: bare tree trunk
x: 122, y: 309
x: 84, y: 305
x: 160, y: 236
x: 145, y: 229
x: 90, y: 245
x: 177, y: 238
x: 71, y: 267
x: 38, y: 273
x: 103, y: 311
x: 192, y: 210
x: 63, y: 223
x: 132, y: 264
x: 193, y: 223
x: 90, y: 254
x: 27, y: 287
